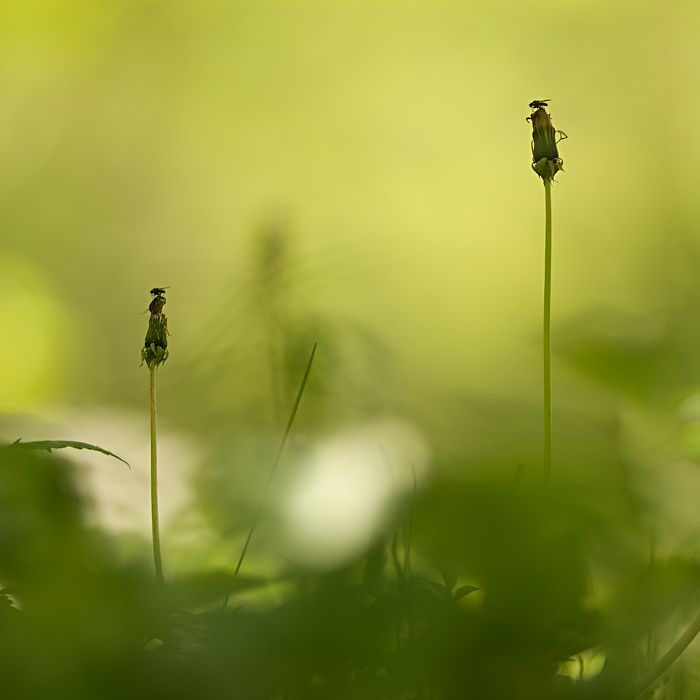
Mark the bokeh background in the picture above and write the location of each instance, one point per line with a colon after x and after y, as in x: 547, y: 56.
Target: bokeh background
x: 146, y: 143
x: 357, y: 174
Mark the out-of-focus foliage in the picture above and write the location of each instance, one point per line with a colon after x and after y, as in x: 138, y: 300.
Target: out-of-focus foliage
x: 485, y: 590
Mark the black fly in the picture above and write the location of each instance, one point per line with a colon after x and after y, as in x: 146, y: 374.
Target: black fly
x: 158, y: 301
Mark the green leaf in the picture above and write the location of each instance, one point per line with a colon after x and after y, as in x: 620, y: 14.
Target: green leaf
x: 449, y: 575
x: 463, y: 591
x: 49, y: 445
x: 201, y: 589
x: 7, y: 606
x: 435, y: 586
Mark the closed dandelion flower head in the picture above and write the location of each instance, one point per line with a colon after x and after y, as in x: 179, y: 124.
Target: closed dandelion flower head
x: 545, y: 153
x: 155, y: 346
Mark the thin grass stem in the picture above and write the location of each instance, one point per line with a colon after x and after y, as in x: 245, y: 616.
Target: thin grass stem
x: 275, y: 465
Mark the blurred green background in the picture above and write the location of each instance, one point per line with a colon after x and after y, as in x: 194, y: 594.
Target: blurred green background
x: 144, y: 143
x: 358, y: 174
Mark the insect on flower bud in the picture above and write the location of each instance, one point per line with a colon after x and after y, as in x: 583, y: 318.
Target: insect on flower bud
x: 545, y: 154
x: 155, y: 346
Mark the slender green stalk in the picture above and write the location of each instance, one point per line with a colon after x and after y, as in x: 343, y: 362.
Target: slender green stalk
x: 275, y: 465
x: 664, y: 663
x: 546, y: 162
x: 154, y: 353
x: 547, y: 339
x: 154, y: 479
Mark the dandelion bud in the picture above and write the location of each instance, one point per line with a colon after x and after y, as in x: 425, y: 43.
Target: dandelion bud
x: 545, y: 154
x: 155, y: 347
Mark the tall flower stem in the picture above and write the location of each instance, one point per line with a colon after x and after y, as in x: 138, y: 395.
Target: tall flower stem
x: 546, y: 163
x: 154, y: 353
x: 155, y: 526
x: 547, y: 334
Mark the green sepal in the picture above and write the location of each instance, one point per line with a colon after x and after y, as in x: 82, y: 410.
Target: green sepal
x: 547, y: 169
x: 155, y: 347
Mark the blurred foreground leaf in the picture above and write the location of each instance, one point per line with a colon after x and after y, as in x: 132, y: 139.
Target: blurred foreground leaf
x: 204, y: 588
x: 49, y: 445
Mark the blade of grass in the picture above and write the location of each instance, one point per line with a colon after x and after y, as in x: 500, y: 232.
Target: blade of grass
x: 276, y: 463
x: 409, y: 524
x: 649, y: 679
